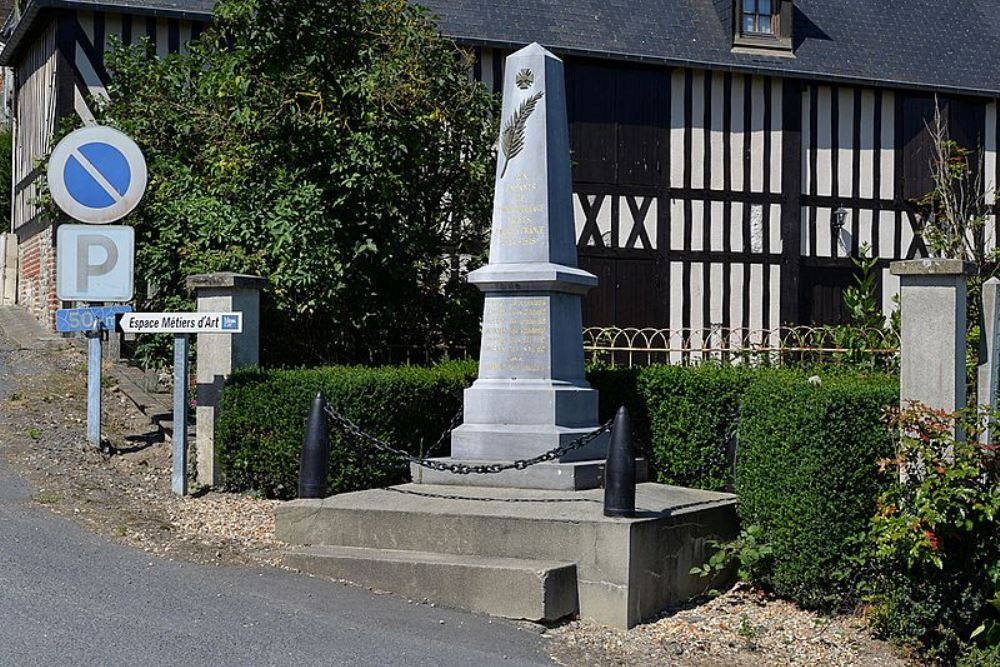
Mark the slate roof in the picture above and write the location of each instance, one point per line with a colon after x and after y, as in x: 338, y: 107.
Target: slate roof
x: 947, y: 45
x: 932, y: 44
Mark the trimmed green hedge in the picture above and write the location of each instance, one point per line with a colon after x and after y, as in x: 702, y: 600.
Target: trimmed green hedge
x: 681, y: 415
x: 807, y: 475
x: 262, y: 422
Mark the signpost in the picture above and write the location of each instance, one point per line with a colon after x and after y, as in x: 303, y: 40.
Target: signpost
x: 97, y: 175
x: 181, y: 325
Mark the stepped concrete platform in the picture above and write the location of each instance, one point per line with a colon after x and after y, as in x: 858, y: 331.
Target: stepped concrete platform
x: 626, y: 570
x: 509, y: 587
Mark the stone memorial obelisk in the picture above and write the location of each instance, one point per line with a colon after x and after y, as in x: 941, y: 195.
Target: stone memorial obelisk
x: 531, y: 395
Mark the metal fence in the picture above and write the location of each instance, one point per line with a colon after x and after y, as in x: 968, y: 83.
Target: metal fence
x: 783, y: 346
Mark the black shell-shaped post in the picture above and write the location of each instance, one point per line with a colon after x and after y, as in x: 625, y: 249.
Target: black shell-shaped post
x: 619, y: 472
x: 315, y: 452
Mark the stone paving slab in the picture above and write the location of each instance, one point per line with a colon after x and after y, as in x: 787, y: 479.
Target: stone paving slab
x: 26, y: 333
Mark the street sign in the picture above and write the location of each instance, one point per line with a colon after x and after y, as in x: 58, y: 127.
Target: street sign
x: 97, y: 175
x: 83, y: 319
x: 94, y: 263
x: 182, y: 323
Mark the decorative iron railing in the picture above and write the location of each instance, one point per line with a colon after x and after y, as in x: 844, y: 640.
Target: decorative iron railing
x: 783, y: 346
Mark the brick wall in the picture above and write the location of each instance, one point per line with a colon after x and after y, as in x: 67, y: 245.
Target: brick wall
x: 36, y: 288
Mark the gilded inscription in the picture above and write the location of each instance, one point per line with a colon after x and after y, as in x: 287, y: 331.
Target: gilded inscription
x: 521, y: 225
x: 516, y: 336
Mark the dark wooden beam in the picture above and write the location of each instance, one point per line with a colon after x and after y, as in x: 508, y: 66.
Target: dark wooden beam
x: 791, y: 188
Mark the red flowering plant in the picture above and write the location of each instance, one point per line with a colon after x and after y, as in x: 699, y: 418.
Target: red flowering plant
x: 935, y: 536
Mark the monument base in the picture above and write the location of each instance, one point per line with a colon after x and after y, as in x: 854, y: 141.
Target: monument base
x: 539, y: 555
x: 510, y: 442
x: 575, y: 476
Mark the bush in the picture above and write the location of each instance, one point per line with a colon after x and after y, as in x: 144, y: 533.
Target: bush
x: 681, y: 416
x: 691, y: 410
x: 936, y: 580
x: 331, y: 147
x: 262, y: 422
x: 807, y: 476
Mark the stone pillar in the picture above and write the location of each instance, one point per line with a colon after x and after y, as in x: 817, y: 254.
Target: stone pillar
x: 531, y: 395
x: 220, y: 354
x: 989, y: 368
x: 932, y: 340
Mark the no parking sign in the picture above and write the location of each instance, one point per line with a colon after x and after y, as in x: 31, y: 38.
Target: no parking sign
x: 97, y: 175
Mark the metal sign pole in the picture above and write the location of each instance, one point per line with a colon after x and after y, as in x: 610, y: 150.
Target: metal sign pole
x: 179, y: 483
x: 94, y: 384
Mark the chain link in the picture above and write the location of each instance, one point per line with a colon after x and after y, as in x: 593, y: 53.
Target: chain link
x: 455, y: 422
x: 348, y: 427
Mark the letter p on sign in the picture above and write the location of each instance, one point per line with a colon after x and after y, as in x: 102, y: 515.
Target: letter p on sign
x: 94, y: 263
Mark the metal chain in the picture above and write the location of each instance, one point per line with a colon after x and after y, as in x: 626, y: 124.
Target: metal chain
x: 717, y: 456
x: 348, y: 427
x: 455, y: 422
x: 488, y: 499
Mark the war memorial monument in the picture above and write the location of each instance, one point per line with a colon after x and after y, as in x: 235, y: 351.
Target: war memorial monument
x: 530, y: 542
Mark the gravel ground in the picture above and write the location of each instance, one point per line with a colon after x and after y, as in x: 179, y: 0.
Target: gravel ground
x: 125, y: 495
x: 739, y: 628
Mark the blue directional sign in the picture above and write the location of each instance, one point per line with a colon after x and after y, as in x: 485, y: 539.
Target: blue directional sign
x: 97, y: 175
x: 83, y: 319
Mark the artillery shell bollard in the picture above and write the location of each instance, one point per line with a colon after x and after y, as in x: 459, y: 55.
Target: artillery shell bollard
x: 619, y: 472
x: 315, y: 452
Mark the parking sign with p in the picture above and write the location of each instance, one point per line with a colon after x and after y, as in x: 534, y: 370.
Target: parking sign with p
x: 95, y: 263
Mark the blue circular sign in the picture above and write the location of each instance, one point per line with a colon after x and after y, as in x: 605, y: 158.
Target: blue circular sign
x: 97, y: 175
x: 92, y: 169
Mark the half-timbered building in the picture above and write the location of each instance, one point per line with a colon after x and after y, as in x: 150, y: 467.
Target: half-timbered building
x: 715, y: 141
x: 730, y: 156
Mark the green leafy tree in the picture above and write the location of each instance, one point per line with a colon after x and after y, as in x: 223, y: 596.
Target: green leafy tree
x: 340, y: 149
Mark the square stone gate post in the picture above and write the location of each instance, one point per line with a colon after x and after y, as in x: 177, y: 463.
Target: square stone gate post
x: 221, y: 354
x: 932, y: 298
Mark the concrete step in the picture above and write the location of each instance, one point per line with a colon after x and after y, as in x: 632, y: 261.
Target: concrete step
x: 508, y: 587
x: 627, y: 570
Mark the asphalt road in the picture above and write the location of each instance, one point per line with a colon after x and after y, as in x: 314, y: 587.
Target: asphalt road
x: 70, y: 597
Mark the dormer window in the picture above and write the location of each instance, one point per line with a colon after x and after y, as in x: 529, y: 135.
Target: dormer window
x: 762, y: 25
x: 758, y: 17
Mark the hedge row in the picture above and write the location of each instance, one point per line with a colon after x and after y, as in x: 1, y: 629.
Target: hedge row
x: 807, y: 475
x: 262, y: 422
x: 682, y: 415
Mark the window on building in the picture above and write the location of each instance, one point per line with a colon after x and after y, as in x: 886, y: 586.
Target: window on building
x: 758, y: 17
x: 763, y: 24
